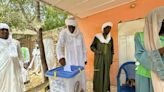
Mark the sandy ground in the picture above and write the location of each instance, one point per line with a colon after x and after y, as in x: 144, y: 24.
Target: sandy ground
x: 90, y: 87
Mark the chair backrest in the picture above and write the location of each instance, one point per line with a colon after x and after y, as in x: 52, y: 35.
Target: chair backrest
x: 129, y: 69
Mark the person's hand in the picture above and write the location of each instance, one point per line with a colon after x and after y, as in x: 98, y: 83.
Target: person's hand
x: 62, y: 61
x: 85, y: 62
x: 161, y: 50
x: 25, y: 65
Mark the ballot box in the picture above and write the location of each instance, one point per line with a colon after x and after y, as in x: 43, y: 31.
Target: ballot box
x: 66, y: 81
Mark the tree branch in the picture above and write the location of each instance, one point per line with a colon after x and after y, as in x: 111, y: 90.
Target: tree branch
x: 23, y: 11
x: 32, y: 19
x: 38, y: 11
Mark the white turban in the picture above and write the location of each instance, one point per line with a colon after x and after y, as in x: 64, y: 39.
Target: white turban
x: 71, y: 21
x: 106, y: 24
x: 4, y: 26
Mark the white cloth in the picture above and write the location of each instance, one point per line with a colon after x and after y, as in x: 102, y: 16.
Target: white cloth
x: 24, y: 72
x: 100, y: 35
x: 10, y: 70
x: 153, y: 23
x: 72, y: 48
x: 102, y: 39
x: 4, y: 25
x: 71, y: 21
x: 49, y: 52
x: 106, y: 24
x: 36, y: 60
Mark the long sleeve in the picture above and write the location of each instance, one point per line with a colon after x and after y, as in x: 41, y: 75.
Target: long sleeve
x: 60, y: 46
x: 141, y: 54
x: 93, y: 45
x: 84, y: 50
x: 150, y: 60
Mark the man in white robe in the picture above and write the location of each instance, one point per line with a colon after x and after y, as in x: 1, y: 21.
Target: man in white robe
x: 71, y: 47
x: 36, y: 60
x: 10, y: 55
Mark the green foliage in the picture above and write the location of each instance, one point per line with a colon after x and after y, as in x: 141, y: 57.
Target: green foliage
x: 53, y: 18
x: 20, y: 13
x: 10, y: 15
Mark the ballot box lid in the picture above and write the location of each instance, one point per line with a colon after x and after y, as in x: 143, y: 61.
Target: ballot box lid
x: 59, y: 72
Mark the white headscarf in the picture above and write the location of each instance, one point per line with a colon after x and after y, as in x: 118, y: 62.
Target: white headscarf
x: 106, y: 24
x: 5, y: 26
x: 153, y: 22
x: 100, y: 35
x: 71, y: 21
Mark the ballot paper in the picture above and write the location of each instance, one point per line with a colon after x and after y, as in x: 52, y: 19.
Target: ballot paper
x: 67, y: 68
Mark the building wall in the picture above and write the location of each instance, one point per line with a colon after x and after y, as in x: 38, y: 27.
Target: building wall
x: 92, y: 25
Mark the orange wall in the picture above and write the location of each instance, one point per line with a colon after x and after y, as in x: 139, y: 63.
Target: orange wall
x: 92, y: 25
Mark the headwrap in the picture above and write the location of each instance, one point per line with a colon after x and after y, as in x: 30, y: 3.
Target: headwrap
x: 106, y: 24
x: 100, y: 35
x: 71, y: 21
x: 4, y: 26
x: 153, y: 22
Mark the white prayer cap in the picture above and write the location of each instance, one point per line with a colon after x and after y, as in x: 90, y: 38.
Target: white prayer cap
x: 71, y: 21
x: 4, y: 26
x: 107, y: 24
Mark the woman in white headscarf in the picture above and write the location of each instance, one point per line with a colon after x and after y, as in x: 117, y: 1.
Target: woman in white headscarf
x: 102, y: 46
x: 149, y: 52
x: 10, y: 54
x: 70, y: 48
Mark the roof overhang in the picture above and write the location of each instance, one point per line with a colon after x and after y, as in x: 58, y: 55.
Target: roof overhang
x: 84, y: 8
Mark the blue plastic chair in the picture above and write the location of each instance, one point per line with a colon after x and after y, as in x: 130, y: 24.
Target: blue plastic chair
x: 129, y: 69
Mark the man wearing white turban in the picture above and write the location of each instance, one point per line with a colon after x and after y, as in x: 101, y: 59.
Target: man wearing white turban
x: 71, y: 47
x: 10, y: 54
x: 102, y: 46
